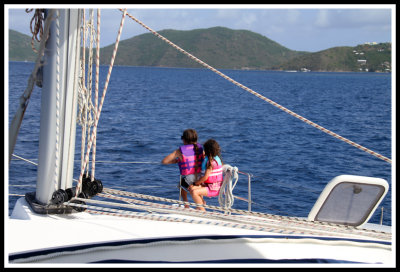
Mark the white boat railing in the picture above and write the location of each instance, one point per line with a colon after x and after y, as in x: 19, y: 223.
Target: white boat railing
x: 248, y: 200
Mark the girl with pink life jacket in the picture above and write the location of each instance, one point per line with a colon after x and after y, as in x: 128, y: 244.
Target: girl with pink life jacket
x: 210, y: 183
x: 189, y: 158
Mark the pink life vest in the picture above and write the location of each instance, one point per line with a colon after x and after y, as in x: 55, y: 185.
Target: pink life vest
x: 190, y: 164
x: 215, y: 178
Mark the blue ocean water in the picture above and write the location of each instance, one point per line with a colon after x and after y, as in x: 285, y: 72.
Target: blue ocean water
x: 146, y: 110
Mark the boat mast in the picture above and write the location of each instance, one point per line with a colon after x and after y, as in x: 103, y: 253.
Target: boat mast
x: 58, y: 105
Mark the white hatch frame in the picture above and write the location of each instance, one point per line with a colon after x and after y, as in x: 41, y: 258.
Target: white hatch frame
x: 349, y: 200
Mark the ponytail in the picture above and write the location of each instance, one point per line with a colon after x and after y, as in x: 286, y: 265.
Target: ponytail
x: 196, y: 156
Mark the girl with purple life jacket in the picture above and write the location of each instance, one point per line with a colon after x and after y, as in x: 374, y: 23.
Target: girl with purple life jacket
x: 189, y: 158
x: 209, y: 184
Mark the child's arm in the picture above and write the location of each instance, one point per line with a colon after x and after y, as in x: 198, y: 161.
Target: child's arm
x: 203, y: 178
x: 172, y: 158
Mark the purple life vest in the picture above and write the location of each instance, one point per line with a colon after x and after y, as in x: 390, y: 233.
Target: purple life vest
x: 190, y: 164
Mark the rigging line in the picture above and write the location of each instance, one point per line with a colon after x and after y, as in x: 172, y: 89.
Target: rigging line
x: 24, y: 99
x: 18, y: 157
x: 78, y: 187
x: 96, y: 94
x: 281, y: 222
x: 115, y: 162
x: 181, y: 210
x: 128, y: 162
x: 155, y: 198
x: 220, y: 222
x: 58, y: 104
x: 259, y: 95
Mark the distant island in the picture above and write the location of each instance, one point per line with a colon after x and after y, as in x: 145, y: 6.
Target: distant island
x: 224, y: 48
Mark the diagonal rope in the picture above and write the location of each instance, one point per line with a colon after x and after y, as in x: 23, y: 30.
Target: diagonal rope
x: 261, y: 96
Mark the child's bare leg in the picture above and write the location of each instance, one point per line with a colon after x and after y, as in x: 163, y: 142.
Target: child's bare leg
x: 197, y: 195
x: 184, y: 197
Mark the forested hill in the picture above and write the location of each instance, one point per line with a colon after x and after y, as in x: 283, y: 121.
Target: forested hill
x: 224, y: 48
x: 218, y: 46
x: 19, y: 47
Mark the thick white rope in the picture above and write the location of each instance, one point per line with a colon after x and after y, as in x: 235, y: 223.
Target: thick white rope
x: 225, y: 196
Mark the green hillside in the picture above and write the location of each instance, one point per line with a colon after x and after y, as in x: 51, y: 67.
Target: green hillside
x: 20, y: 48
x: 366, y: 57
x: 218, y: 46
x: 224, y: 48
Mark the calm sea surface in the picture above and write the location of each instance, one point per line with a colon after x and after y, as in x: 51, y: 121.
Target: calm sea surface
x: 146, y: 110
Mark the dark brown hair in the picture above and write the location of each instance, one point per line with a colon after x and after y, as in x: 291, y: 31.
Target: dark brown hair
x: 190, y: 136
x: 211, y: 149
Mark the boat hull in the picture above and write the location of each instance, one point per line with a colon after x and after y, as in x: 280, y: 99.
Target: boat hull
x: 109, y: 239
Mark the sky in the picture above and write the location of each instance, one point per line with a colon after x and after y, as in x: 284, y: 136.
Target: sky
x: 309, y: 28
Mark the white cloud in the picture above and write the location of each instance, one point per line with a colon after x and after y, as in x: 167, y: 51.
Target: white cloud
x: 227, y: 14
x: 249, y: 20
x: 292, y: 16
x: 353, y: 18
x: 322, y: 19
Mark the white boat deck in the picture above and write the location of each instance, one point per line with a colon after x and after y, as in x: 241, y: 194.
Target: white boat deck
x: 90, y: 238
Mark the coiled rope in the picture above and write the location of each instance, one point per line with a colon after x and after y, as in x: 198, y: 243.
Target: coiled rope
x: 261, y: 96
x: 231, y: 177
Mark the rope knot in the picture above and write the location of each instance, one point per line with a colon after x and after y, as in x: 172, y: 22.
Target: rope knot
x: 36, y: 26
